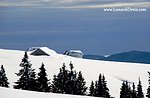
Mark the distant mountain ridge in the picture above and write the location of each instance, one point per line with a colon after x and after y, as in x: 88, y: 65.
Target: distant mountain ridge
x: 94, y: 57
x: 131, y: 56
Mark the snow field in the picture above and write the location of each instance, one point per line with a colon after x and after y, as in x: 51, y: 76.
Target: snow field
x: 115, y: 72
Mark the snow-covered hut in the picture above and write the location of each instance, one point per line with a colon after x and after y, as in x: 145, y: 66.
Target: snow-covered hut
x: 74, y: 53
x: 39, y: 51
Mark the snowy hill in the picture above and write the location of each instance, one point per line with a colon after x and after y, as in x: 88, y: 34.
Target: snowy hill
x: 115, y: 72
x: 8, y: 93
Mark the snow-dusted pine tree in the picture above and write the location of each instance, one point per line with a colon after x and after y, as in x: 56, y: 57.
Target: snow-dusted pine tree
x: 100, y: 86
x: 55, y: 86
x: 42, y: 80
x: 105, y: 91
x: 72, y: 80
x: 148, y: 90
x: 59, y: 83
x: 96, y: 89
x: 139, y: 90
x: 3, y: 79
x: 101, y: 89
x: 91, y: 89
x: 27, y: 76
x: 81, y: 84
x: 133, y: 93
x: 125, y: 90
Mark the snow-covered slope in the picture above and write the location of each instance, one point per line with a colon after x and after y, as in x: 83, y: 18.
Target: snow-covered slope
x: 114, y: 72
x: 14, y: 93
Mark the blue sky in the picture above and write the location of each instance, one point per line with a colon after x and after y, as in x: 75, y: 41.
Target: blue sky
x: 74, y: 24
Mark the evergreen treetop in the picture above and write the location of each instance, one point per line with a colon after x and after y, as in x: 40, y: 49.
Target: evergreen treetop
x: 69, y: 82
x: 148, y: 90
x: 3, y: 79
x: 125, y: 90
x: 91, y: 89
x: 100, y: 89
x: 81, y: 84
x: 105, y: 88
x: 27, y: 75
x: 133, y: 93
x: 42, y: 80
x: 139, y: 90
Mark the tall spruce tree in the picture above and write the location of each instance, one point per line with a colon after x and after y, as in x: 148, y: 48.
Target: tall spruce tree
x: 100, y: 86
x: 148, y: 90
x: 139, y: 90
x: 125, y: 90
x: 3, y: 79
x: 59, y: 83
x: 91, y: 89
x: 96, y: 89
x: 27, y: 75
x: 72, y: 81
x: 133, y: 93
x: 101, y: 89
x: 67, y: 82
x: 55, y: 86
x: 105, y: 91
x: 81, y: 84
x: 42, y: 80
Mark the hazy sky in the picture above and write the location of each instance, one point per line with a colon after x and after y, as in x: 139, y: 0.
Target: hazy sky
x: 75, y: 24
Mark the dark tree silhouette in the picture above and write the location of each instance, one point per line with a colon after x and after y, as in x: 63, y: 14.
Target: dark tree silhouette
x: 27, y: 76
x: 69, y: 82
x: 96, y: 89
x: 42, y: 80
x: 55, y: 85
x: 133, y: 93
x: 3, y: 78
x: 91, y: 89
x: 72, y: 80
x: 148, y: 90
x: 105, y: 91
x: 125, y: 90
x: 59, y: 83
x: 101, y: 89
x: 100, y: 86
x: 139, y: 90
x: 81, y: 84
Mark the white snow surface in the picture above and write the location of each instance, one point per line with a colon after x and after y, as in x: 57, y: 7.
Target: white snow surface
x: 14, y: 93
x: 115, y: 72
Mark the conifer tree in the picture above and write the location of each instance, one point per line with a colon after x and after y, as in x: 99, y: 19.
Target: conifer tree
x: 100, y: 86
x: 42, y: 80
x: 72, y: 81
x: 81, y: 84
x: 60, y: 81
x: 55, y: 85
x: 96, y: 89
x: 101, y: 89
x: 125, y: 90
x: 3, y: 79
x: 91, y: 89
x: 63, y: 76
x: 139, y: 90
x: 27, y: 76
x: 134, y: 93
x: 67, y: 82
x: 148, y: 90
x: 105, y: 91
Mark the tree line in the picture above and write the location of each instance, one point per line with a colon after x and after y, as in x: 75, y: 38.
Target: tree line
x: 67, y: 82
